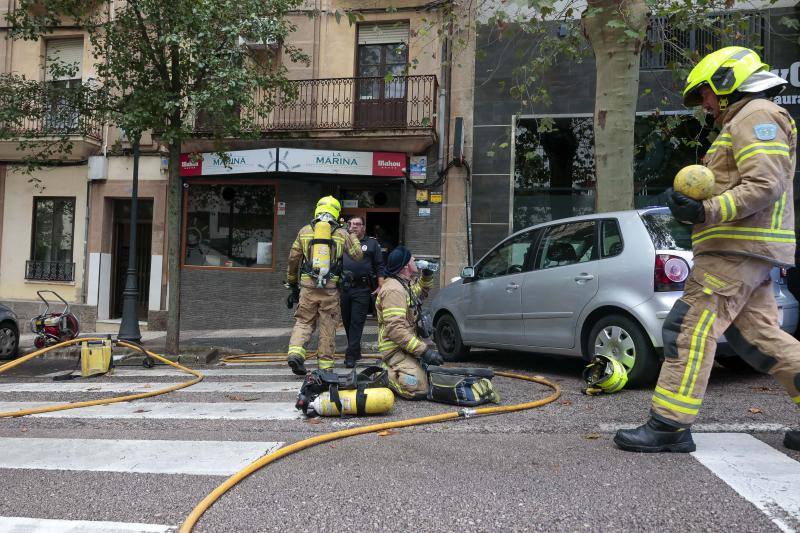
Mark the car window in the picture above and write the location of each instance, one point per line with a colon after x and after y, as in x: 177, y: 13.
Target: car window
x: 667, y: 233
x: 510, y: 257
x: 611, y: 239
x: 567, y: 244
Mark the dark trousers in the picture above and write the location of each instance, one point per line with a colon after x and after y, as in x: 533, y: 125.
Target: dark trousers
x: 355, y: 305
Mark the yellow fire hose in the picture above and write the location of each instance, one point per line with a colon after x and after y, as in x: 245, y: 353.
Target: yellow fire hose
x: 105, y: 401
x: 217, y: 493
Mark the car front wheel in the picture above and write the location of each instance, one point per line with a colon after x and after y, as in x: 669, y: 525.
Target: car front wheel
x: 621, y: 338
x: 448, y: 339
x: 9, y: 340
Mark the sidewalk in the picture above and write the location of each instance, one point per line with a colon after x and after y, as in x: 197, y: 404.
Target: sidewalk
x: 206, y: 346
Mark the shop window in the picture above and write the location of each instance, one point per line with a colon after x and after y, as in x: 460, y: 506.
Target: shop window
x: 229, y: 225
x: 52, y: 239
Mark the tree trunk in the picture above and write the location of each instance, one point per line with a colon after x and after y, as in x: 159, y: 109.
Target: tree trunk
x: 174, y: 216
x: 617, y: 56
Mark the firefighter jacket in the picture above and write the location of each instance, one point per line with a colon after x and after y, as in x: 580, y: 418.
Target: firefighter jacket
x: 753, y: 161
x: 300, y: 255
x: 398, y: 310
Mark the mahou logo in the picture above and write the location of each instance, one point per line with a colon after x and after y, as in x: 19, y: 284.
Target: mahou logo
x: 389, y: 164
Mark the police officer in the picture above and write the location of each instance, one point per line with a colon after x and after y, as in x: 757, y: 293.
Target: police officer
x: 362, y: 279
x: 739, y: 234
x: 316, y: 293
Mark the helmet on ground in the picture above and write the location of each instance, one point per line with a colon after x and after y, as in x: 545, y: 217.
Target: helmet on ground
x: 329, y: 205
x: 605, y: 374
x: 724, y: 71
x: 695, y: 181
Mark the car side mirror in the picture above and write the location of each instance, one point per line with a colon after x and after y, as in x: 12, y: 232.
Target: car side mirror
x: 468, y: 274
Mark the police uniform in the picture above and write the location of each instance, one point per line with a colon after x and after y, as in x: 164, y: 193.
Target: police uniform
x: 398, y: 342
x: 748, y: 228
x: 357, y: 292
x: 317, y: 305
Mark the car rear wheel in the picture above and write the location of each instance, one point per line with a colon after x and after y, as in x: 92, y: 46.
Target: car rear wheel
x: 9, y: 340
x: 448, y: 339
x: 621, y: 338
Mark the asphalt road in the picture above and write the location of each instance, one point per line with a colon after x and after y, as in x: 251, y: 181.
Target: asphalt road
x: 552, y: 468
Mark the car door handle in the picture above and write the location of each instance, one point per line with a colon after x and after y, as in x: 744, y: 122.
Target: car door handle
x: 511, y: 287
x: 584, y: 277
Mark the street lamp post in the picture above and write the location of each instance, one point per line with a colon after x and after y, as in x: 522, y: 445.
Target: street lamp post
x: 129, y: 328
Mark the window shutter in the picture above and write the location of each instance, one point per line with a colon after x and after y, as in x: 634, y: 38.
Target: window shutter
x: 69, y: 51
x: 395, y: 32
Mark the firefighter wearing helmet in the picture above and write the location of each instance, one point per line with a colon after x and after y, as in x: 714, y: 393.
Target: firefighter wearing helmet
x: 315, y: 267
x: 744, y: 229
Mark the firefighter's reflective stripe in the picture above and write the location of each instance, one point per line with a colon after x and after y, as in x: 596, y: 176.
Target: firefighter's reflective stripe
x: 777, y: 212
x: 696, y: 352
x: 412, y: 344
x: 677, y: 402
x: 297, y: 350
x: 796, y: 400
x: 727, y: 206
x: 722, y: 141
x: 767, y: 148
x: 794, y: 126
x: 393, y: 311
x: 742, y: 233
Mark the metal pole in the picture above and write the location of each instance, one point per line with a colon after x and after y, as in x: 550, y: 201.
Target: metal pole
x: 129, y: 328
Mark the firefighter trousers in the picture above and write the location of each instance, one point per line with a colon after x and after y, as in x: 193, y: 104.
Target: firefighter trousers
x: 316, y: 307
x: 727, y: 294
x: 407, y: 378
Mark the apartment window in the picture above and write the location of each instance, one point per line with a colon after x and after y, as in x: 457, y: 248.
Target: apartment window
x: 382, y: 70
x: 52, y: 240
x: 63, y: 67
x: 229, y: 225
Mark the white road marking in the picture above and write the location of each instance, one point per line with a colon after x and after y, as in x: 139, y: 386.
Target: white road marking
x: 212, y: 372
x: 170, y: 410
x: 16, y: 524
x: 742, y: 427
x: 202, y: 458
x: 111, y: 386
x: 767, y: 478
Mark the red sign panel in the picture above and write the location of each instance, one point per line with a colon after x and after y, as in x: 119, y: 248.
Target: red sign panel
x: 191, y: 168
x: 389, y: 164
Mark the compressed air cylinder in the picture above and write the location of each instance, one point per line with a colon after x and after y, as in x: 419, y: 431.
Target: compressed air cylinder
x: 379, y: 400
x: 321, y: 253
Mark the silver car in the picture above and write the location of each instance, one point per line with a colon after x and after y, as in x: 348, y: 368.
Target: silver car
x: 579, y: 286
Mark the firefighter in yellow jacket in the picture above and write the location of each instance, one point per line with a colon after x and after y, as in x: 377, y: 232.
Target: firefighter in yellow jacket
x: 398, y: 307
x: 739, y: 234
x: 316, y: 256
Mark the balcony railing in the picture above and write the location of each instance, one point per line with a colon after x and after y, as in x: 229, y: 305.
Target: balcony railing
x: 51, y: 112
x: 367, y: 103
x: 49, y: 271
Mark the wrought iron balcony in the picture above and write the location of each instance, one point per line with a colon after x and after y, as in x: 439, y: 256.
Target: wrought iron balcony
x: 367, y: 103
x: 49, y: 271
x: 49, y: 112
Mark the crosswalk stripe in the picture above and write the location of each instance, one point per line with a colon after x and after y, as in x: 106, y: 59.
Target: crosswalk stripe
x: 170, y: 410
x: 111, y: 386
x: 16, y: 524
x: 758, y: 472
x: 211, y: 372
x: 212, y: 458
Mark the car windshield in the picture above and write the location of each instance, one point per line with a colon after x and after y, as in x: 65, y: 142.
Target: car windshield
x: 667, y: 233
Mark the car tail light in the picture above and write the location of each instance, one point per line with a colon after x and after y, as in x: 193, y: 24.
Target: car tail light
x: 670, y: 273
x: 783, y: 273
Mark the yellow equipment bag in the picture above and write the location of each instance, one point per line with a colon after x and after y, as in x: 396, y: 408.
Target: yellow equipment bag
x: 95, y: 357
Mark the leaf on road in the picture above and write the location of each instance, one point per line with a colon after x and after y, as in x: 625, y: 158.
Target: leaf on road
x: 756, y: 410
x: 23, y: 430
x: 313, y: 421
x: 142, y: 411
x: 386, y: 433
x: 762, y: 389
x: 237, y: 398
x: 592, y: 436
x: 566, y: 402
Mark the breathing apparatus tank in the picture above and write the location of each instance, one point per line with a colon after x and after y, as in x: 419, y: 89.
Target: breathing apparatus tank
x: 379, y: 400
x: 321, y: 249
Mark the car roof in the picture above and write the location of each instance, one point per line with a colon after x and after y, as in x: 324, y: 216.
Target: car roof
x: 595, y: 216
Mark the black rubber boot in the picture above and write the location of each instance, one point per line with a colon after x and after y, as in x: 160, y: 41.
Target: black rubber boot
x: 297, y: 364
x: 654, y: 437
x: 350, y: 360
x: 792, y: 440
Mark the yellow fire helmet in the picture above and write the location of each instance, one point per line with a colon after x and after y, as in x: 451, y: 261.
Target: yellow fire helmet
x: 695, y: 181
x: 604, y: 374
x: 329, y: 205
x: 723, y: 71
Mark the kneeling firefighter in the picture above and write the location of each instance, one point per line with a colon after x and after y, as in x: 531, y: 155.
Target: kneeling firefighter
x: 316, y: 255
x: 414, y: 370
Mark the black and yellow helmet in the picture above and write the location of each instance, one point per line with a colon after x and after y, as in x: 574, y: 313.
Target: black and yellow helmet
x: 604, y: 374
x: 723, y: 71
